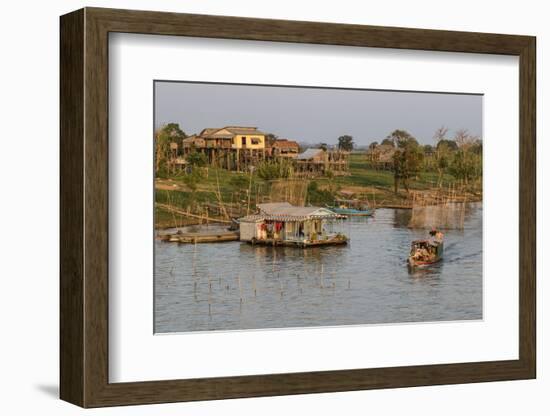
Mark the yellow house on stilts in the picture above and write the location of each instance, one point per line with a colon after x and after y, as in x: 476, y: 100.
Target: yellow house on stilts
x: 230, y: 147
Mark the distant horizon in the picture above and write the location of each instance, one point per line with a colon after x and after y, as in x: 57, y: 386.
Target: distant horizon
x: 311, y: 115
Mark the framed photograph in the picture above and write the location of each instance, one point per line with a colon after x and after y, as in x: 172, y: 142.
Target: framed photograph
x: 254, y: 207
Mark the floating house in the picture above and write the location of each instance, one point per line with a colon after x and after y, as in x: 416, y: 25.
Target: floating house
x: 288, y: 225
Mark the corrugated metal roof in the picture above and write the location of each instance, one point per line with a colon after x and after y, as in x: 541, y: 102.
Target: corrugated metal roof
x: 244, y: 130
x: 272, y: 206
x: 309, y: 154
x: 284, y: 209
x: 233, y: 130
x: 288, y: 218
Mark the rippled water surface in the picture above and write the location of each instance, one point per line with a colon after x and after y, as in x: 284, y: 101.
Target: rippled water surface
x: 230, y: 286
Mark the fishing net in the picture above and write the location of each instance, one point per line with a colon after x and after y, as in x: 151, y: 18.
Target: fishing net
x: 291, y: 191
x: 448, y: 216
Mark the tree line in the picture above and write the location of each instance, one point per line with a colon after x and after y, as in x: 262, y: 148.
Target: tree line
x: 459, y: 156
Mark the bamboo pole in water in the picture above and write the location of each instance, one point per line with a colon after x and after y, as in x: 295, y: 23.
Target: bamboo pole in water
x: 254, y: 284
x: 194, y: 261
x: 414, y: 212
x: 240, y: 287
x: 188, y: 214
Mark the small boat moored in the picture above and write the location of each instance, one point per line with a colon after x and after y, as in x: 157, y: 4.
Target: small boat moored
x: 426, y: 252
x: 215, y: 236
x: 351, y: 207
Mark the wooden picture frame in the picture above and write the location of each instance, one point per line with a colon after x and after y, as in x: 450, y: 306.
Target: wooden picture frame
x: 84, y: 207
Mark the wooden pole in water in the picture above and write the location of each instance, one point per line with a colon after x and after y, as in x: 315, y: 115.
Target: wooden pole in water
x: 463, y: 214
x: 412, y: 221
x: 254, y: 284
x: 240, y: 287
x: 194, y: 262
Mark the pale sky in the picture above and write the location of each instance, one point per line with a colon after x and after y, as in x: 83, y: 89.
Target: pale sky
x: 314, y: 115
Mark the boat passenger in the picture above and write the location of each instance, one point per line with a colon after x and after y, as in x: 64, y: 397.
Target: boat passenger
x: 424, y: 253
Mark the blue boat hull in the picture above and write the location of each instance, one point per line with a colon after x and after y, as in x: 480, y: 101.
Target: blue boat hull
x: 352, y: 212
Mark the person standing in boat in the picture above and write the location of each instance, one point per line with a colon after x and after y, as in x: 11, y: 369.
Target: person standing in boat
x: 436, y: 234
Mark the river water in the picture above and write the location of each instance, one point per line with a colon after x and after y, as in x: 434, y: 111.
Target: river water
x: 236, y: 286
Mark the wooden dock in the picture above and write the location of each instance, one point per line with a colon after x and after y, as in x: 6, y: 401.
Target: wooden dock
x: 199, y: 238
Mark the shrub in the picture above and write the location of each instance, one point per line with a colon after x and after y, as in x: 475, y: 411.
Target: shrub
x: 196, y: 159
x: 318, y: 196
x: 239, y: 182
x: 276, y: 169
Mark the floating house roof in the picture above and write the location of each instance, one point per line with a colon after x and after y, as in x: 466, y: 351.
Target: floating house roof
x: 283, y: 211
